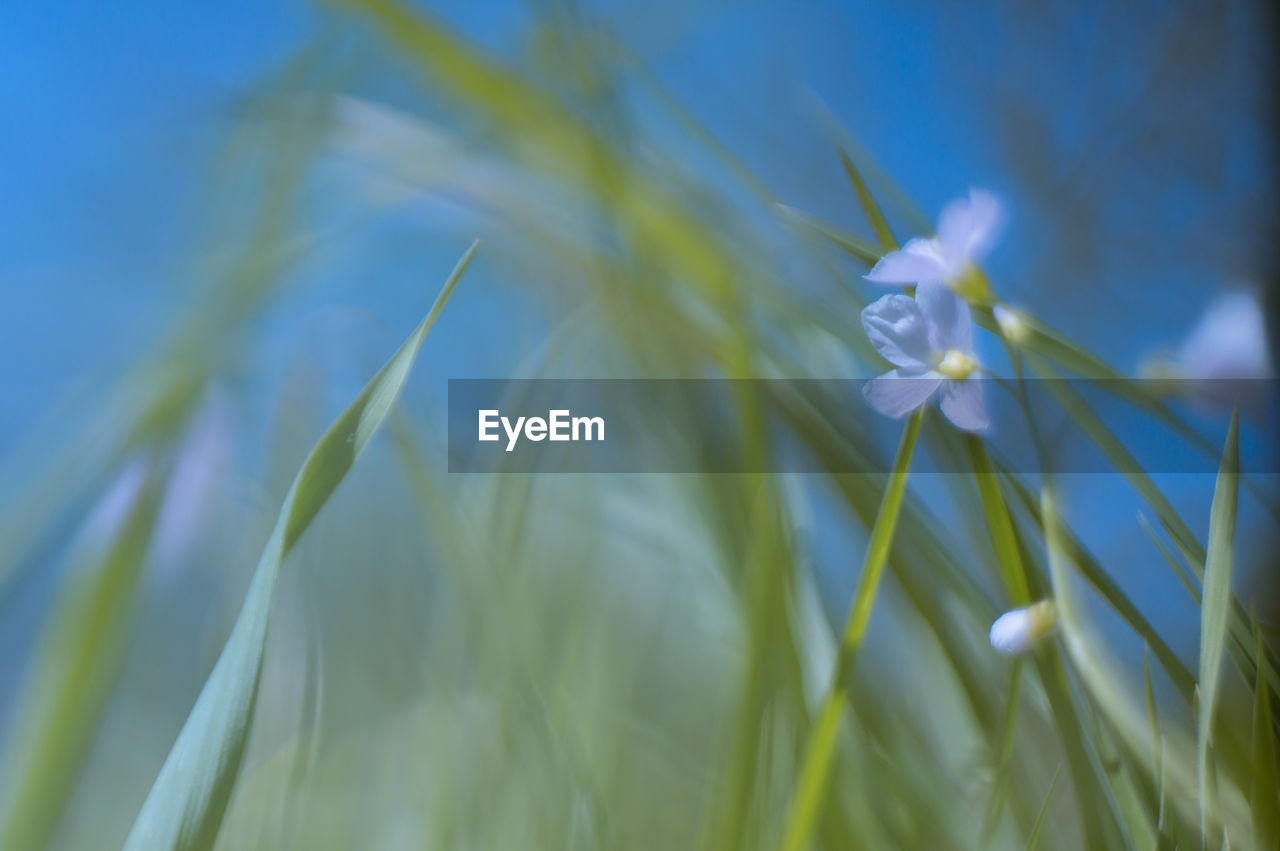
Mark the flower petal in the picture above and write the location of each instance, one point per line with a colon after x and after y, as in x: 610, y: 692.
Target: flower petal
x: 1011, y: 633
x: 899, y: 330
x: 967, y: 228
x: 898, y: 392
x: 950, y: 325
x: 963, y: 405
x: 1229, y: 341
x: 918, y: 260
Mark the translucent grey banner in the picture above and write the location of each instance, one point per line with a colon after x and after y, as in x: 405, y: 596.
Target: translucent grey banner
x: 826, y: 426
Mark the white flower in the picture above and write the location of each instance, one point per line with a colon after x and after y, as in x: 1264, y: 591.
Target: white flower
x: 1020, y: 630
x: 1230, y: 341
x: 966, y: 231
x: 929, y: 339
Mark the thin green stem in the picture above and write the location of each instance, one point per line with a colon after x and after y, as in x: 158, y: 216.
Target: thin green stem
x: 810, y: 789
x: 999, y: 525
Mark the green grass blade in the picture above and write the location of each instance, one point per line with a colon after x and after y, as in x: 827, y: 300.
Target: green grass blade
x: 1164, y: 838
x: 1049, y: 344
x: 1241, y: 644
x: 74, y: 674
x: 1033, y: 840
x: 999, y: 526
x: 1110, y: 591
x: 881, y: 539
x: 1008, y: 727
x: 1179, y: 568
x: 185, y: 806
x: 1264, y: 794
x: 1053, y: 346
x: 1153, y: 719
x: 899, y: 201
x: 1004, y: 542
x: 875, y: 216
x: 1124, y: 781
x: 1093, y: 792
x: 863, y: 250
x: 810, y: 789
x: 1214, y: 611
x: 1119, y: 455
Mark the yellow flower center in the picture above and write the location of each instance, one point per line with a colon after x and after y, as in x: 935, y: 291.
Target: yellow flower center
x: 971, y: 285
x: 956, y: 364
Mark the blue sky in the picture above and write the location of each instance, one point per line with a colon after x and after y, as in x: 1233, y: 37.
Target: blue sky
x: 116, y: 112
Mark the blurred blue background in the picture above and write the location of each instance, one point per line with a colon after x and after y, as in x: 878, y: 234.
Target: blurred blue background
x: 1132, y: 143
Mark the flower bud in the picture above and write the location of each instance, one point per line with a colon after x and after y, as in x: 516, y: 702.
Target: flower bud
x: 1020, y: 630
x: 1012, y: 326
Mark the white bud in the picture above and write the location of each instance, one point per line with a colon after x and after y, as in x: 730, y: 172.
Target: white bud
x: 1020, y: 630
x: 1012, y: 325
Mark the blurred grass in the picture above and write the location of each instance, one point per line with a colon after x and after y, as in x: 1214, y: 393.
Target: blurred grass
x: 605, y: 661
x: 1214, y: 611
x: 185, y: 807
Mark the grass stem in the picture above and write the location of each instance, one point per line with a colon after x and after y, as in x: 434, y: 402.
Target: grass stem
x: 810, y: 789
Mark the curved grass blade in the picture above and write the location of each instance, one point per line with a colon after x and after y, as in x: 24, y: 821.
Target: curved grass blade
x: 1214, y: 611
x: 74, y: 673
x: 185, y: 806
x: 556, y: 141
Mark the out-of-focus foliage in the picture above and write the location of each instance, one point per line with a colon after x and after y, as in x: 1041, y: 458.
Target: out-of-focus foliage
x: 624, y: 662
